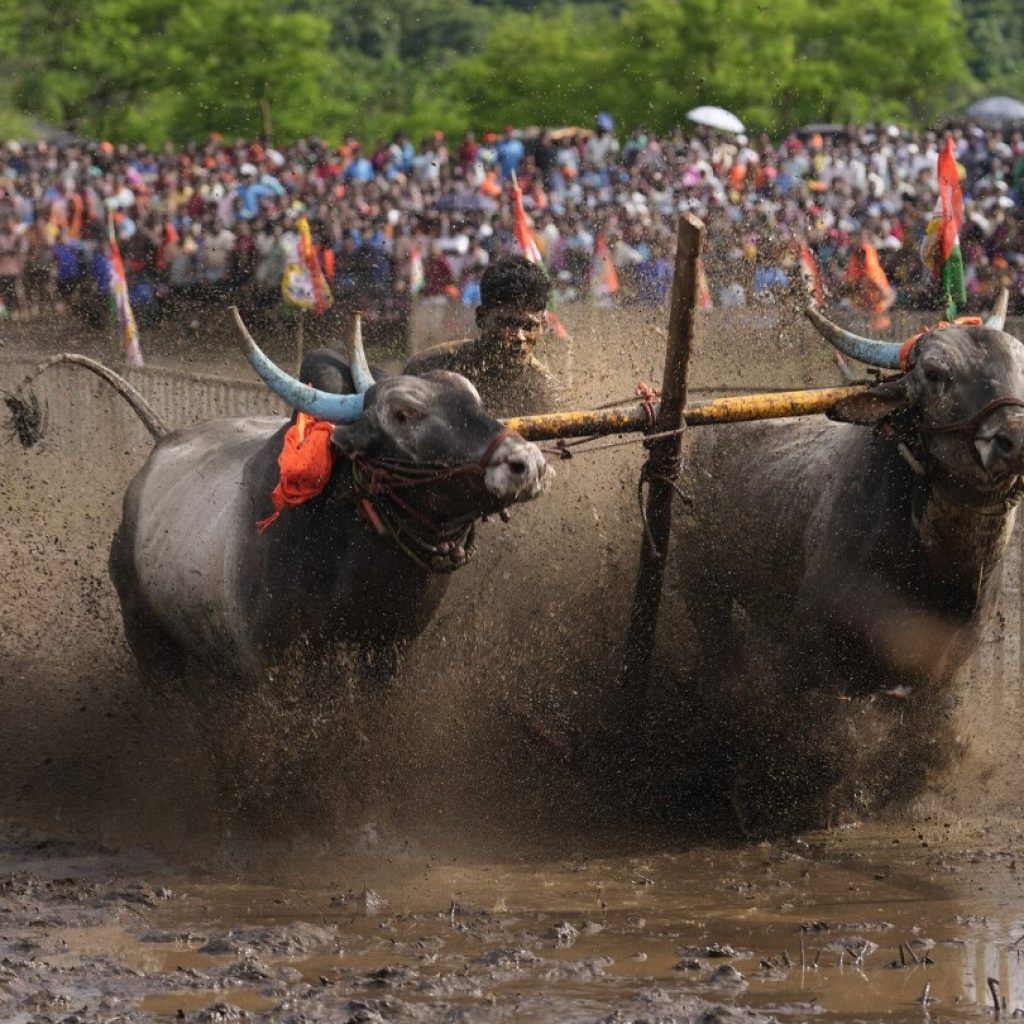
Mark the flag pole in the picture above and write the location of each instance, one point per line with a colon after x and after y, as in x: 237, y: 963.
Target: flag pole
x: 115, y: 320
x: 299, y: 329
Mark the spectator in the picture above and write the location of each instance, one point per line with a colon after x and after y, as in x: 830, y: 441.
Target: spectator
x: 514, y: 295
x: 12, y: 263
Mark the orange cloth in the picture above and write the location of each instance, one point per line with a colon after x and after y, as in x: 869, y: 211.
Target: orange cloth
x: 306, y: 461
x: 908, y: 346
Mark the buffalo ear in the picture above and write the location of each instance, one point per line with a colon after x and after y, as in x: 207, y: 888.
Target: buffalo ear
x: 873, y: 405
x: 357, y: 438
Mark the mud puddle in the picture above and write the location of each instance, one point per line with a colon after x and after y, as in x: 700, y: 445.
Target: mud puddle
x: 869, y: 923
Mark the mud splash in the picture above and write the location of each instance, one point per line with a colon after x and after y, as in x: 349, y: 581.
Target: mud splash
x: 488, y: 747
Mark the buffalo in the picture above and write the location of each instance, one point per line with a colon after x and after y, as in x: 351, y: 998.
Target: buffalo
x: 853, y: 561
x: 413, y: 463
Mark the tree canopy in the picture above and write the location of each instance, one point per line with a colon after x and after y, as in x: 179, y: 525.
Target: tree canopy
x: 152, y: 70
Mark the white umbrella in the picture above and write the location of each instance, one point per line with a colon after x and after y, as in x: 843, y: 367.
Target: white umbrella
x: 716, y: 117
x: 997, y: 110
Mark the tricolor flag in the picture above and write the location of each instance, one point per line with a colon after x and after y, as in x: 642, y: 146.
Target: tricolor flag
x: 941, y: 247
x: 604, y: 280
x: 122, y: 307
x: 322, y: 298
x: 530, y: 249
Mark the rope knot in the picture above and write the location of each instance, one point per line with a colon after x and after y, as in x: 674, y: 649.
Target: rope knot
x: 647, y: 396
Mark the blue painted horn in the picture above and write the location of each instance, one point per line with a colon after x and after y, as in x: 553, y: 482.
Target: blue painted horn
x: 884, y: 354
x: 997, y: 318
x: 357, y: 357
x: 322, y: 404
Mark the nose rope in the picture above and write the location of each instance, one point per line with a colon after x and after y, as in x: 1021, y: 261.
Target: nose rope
x: 435, y: 547
x: 970, y: 423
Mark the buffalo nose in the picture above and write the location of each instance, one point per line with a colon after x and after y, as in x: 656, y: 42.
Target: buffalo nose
x: 517, y: 471
x: 1002, y: 451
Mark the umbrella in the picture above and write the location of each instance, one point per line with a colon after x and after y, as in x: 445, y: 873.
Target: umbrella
x: 467, y: 202
x: 997, y: 110
x: 715, y: 117
x: 822, y: 128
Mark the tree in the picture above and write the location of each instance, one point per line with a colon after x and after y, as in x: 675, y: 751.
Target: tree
x: 995, y: 32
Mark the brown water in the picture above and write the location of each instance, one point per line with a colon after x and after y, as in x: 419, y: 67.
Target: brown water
x: 581, y: 937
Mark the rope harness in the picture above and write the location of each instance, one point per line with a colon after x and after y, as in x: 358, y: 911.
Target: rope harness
x: 307, y: 459
x: 436, y: 547
x: 909, y: 437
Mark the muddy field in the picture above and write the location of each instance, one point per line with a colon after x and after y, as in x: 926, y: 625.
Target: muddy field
x: 473, y: 844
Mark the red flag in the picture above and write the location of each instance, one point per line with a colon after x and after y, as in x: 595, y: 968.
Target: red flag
x: 527, y: 243
x: 604, y: 280
x: 952, y: 198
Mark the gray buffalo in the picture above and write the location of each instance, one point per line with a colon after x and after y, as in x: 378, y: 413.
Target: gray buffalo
x: 865, y: 549
x: 363, y: 565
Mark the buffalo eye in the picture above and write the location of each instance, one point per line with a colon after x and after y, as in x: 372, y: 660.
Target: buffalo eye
x: 935, y: 375
x: 404, y: 416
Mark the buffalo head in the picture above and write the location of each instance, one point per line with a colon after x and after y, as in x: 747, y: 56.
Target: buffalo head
x: 426, y: 441
x: 959, y: 403
x: 437, y: 421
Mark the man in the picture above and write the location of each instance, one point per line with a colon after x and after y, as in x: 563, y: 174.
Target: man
x: 500, y: 362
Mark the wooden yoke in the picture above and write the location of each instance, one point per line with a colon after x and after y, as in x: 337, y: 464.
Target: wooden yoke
x: 634, y: 419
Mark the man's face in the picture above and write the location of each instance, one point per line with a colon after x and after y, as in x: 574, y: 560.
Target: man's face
x: 513, y: 329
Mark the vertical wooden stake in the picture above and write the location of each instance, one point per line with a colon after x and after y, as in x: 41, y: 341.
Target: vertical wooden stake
x: 660, y: 468
x: 299, y: 340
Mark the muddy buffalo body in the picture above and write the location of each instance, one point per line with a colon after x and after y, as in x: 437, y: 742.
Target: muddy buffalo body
x: 839, y: 574
x: 360, y: 566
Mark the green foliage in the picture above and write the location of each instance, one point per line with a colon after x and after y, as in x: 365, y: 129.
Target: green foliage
x: 995, y: 31
x: 157, y: 69
x: 899, y: 61
x: 536, y: 69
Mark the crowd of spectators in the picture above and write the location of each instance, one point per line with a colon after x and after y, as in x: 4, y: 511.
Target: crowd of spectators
x: 396, y: 222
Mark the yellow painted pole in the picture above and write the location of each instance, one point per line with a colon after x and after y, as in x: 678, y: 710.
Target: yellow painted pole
x: 735, y: 409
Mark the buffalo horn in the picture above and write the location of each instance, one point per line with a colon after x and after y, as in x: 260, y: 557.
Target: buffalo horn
x: 885, y: 354
x: 997, y: 318
x: 322, y: 404
x: 357, y: 357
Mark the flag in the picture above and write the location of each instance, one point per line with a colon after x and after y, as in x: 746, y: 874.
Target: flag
x: 811, y: 274
x: 524, y: 236
x: 321, y: 292
x: 417, y: 279
x: 604, y: 280
x: 865, y: 273
x: 122, y: 307
x: 530, y: 249
x: 941, y: 247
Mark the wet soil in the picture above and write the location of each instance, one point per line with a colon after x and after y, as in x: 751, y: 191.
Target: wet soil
x: 862, y: 924
x: 461, y: 852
